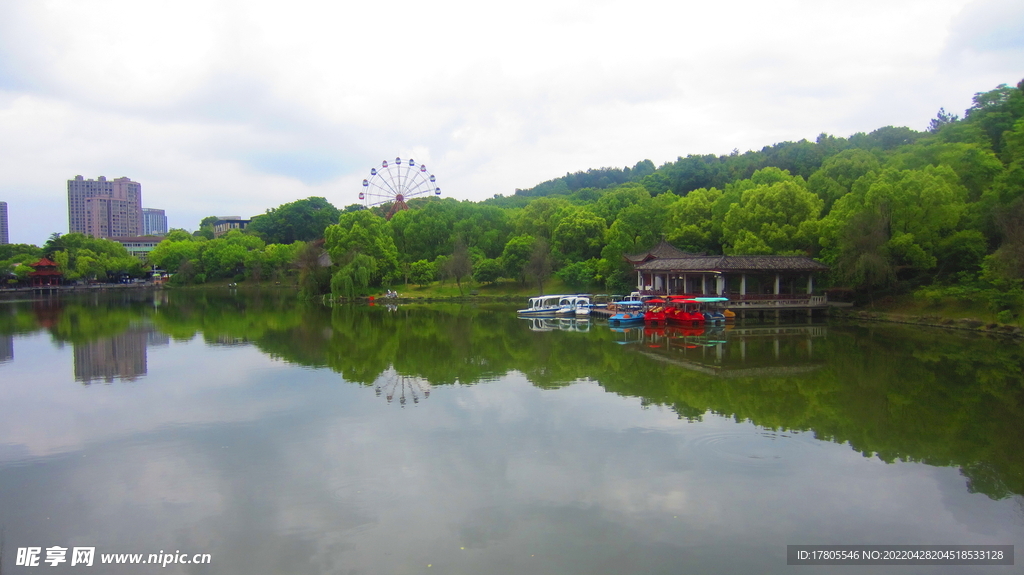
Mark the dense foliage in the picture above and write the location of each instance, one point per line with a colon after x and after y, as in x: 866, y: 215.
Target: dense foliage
x: 81, y: 257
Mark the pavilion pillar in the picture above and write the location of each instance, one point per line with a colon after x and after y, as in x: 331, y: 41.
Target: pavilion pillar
x: 666, y: 283
x: 703, y: 285
x: 684, y: 284
x: 778, y: 283
x: 639, y: 280
x: 810, y: 284
x: 743, y: 284
x: 721, y: 284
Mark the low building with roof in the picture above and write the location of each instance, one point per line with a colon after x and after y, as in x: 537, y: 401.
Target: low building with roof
x: 751, y: 281
x: 225, y: 224
x: 140, y: 246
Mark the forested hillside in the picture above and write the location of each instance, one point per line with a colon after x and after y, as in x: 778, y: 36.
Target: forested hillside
x: 896, y: 210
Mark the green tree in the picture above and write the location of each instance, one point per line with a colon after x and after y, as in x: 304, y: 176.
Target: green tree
x: 942, y: 119
x: 837, y: 174
x: 580, y: 275
x: 637, y: 227
x: 301, y: 220
x: 422, y: 272
x: 779, y: 215
x: 354, y: 277
x: 690, y: 224
x: 620, y: 198
x: 540, y: 217
x: 996, y: 111
x: 487, y: 271
x: 516, y: 255
x: 579, y: 235
x: 206, y: 227
x: 21, y: 272
x: 173, y: 251
x: 863, y: 259
x: 365, y: 233
x: 314, y: 277
x: 920, y: 206
x: 459, y: 265
x: 539, y: 265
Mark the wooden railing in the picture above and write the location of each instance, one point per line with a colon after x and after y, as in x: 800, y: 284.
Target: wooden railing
x: 761, y: 300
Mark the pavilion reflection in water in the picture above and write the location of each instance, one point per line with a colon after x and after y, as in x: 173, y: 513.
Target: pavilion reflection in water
x: 742, y: 350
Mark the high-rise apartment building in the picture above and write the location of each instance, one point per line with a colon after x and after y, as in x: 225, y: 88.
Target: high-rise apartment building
x: 5, y: 233
x: 154, y: 222
x: 104, y: 208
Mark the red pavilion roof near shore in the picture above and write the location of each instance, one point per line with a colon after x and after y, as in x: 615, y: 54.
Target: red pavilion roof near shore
x: 45, y: 267
x: 44, y: 262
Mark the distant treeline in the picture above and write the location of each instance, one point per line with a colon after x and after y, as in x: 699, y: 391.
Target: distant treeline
x: 684, y: 175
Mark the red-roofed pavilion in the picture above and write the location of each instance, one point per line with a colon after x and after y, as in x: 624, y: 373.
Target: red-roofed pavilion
x: 46, y: 273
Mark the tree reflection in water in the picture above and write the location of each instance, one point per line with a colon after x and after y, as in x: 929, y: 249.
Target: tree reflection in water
x: 899, y: 393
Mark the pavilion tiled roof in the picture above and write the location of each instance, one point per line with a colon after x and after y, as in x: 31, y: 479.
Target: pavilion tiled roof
x: 44, y: 263
x: 733, y: 264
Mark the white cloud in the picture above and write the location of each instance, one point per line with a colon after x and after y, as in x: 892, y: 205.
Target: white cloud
x: 224, y: 106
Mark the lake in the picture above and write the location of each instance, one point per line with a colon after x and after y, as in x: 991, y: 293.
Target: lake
x: 279, y: 437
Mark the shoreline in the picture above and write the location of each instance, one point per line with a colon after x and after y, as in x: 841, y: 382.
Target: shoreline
x: 962, y: 324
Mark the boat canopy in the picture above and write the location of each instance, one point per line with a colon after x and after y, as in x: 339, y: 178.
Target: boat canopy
x: 629, y: 303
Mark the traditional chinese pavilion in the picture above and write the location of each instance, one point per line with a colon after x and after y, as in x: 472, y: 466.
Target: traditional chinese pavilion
x: 752, y: 282
x: 46, y: 273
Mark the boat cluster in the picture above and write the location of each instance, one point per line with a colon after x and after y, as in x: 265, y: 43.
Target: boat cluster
x: 578, y: 305
x: 637, y: 308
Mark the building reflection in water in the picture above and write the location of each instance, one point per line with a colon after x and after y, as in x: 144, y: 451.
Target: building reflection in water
x: 741, y: 350
x: 121, y: 357
x: 6, y: 348
x: 746, y: 348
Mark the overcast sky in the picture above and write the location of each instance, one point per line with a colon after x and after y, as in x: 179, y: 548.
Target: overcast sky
x: 230, y: 107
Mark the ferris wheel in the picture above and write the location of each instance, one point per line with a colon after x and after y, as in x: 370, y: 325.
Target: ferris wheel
x: 394, y: 183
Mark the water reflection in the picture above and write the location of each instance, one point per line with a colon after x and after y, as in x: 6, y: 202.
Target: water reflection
x: 121, y: 356
x: 394, y: 385
x: 6, y: 347
x: 264, y: 425
x: 557, y: 324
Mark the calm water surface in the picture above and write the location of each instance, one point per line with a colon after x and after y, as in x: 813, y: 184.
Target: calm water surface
x: 286, y: 438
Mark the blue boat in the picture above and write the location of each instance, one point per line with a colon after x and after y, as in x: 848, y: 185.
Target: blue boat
x: 627, y: 312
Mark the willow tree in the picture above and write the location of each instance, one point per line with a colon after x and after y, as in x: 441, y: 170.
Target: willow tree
x: 361, y: 233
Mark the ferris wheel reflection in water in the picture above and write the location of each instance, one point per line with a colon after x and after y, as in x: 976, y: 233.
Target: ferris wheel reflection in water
x: 402, y: 388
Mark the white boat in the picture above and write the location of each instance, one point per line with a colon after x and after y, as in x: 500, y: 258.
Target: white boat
x: 567, y: 305
x: 545, y: 305
x: 583, y: 306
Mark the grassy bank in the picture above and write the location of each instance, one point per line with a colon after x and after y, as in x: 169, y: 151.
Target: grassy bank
x: 947, y: 313
x: 505, y: 289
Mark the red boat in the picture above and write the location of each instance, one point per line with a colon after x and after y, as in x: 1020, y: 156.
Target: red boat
x: 655, y: 311
x: 683, y: 311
